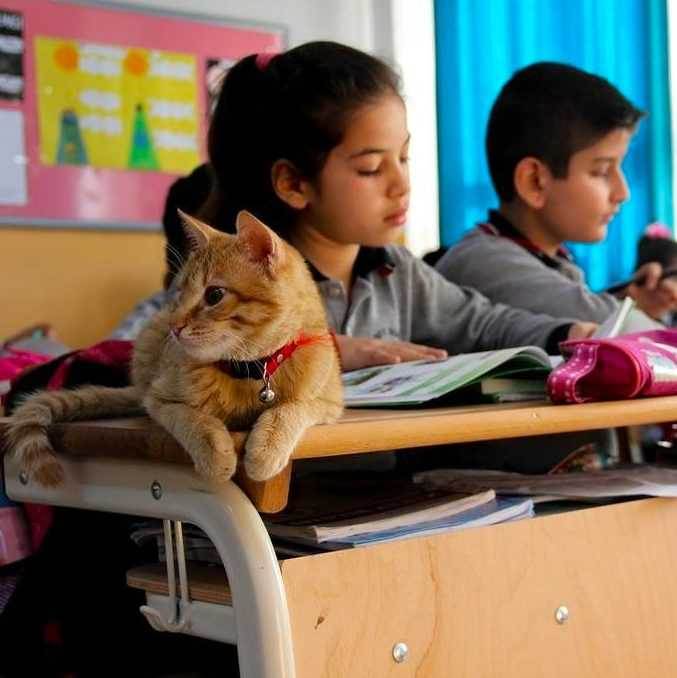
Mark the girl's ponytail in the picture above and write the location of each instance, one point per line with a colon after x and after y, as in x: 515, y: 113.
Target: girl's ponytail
x: 237, y: 142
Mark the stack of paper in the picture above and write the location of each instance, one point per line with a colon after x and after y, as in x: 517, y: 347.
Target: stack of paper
x: 624, y: 481
x: 355, y: 515
x: 498, y: 510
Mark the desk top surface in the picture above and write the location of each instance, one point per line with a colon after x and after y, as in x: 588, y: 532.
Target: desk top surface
x: 374, y: 430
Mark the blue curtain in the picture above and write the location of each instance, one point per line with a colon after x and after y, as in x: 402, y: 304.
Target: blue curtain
x: 480, y: 43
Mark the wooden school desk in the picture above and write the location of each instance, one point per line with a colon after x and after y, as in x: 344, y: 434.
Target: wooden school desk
x: 583, y: 593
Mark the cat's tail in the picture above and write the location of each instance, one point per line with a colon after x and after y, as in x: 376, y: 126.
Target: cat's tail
x: 27, y: 432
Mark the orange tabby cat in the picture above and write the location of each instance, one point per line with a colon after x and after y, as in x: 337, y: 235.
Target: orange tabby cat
x: 244, y: 343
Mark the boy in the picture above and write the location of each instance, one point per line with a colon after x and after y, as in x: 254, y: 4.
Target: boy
x: 555, y: 142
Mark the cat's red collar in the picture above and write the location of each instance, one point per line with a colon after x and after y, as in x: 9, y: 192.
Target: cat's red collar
x: 256, y: 369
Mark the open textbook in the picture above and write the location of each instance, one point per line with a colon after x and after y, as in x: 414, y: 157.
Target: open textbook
x: 497, y: 376
x: 419, y: 381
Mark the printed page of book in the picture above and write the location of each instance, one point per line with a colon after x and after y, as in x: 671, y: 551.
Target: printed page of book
x: 419, y: 381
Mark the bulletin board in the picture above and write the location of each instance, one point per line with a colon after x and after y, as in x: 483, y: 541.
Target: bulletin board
x: 102, y: 107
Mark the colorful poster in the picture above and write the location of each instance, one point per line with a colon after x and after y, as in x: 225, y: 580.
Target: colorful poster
x: 11, y: 55
x: 120, y: 107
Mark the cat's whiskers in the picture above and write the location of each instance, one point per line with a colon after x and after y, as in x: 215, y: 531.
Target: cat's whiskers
x: 177, y: 256
x: 169, y: 337
x: 237, y: 351
x: 249, y: 344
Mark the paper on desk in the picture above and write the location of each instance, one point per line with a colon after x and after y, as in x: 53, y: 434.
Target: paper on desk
x: 626, y: 319
x: 626, y: 481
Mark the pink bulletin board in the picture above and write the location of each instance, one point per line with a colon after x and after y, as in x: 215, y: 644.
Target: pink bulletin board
x: 85, y: 195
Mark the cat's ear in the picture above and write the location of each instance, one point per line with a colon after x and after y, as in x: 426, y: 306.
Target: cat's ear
x: 197, y: 232
x: 262, y: 244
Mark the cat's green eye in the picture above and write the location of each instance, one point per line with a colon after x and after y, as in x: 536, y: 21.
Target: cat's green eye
x: 213, y: 295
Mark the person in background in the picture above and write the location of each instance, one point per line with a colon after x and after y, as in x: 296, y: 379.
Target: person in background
x: 555, y: 142
x: 658, y: 244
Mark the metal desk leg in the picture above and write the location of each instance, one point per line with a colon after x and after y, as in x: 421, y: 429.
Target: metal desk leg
x: 174, y: 492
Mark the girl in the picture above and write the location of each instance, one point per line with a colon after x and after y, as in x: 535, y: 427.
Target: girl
x: 314, y: 141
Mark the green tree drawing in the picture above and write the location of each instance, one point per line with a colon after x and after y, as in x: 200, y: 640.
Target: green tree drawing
x: 71, y: 148
x: 142, y: 154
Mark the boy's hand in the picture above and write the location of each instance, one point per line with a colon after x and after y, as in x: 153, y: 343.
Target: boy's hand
x: 356, y: 352
x: 655, y: 296
x: 582, y: 330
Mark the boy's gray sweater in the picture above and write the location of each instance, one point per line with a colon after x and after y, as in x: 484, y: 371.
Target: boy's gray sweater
x: 506, y: 272
x: 399, y: 297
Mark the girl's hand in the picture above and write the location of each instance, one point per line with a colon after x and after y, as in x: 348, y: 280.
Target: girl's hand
x: 654, y: 296
x: 582, y: 330
x: 356, y: 352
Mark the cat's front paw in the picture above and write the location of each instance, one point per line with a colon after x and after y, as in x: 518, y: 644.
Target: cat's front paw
x: 264, y: 456
x: 216, y: 461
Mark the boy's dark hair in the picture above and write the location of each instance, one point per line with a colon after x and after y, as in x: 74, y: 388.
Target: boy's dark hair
x: 189, y: 195
x: 550, y: 111
x: 293, y: 106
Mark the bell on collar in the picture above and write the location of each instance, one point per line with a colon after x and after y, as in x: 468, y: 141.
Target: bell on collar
x: 266, y: 394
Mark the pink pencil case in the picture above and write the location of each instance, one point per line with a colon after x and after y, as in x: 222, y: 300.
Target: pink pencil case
x: 635, y: 365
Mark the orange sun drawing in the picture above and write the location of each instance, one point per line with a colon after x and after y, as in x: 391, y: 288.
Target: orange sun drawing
x: 136, y: 62
x: 66, y: 57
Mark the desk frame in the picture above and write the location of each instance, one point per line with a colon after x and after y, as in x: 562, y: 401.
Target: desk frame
x: 259, y: 620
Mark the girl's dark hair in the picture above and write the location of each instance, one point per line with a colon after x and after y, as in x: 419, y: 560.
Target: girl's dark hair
x: 662, y: 250
x: 296, y: 106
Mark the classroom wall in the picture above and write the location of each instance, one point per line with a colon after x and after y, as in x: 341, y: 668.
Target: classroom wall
x: 350, y: 21
x: 84, y: 282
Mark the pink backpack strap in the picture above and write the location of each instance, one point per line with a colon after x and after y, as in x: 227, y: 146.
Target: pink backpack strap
x: 563, y: 380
